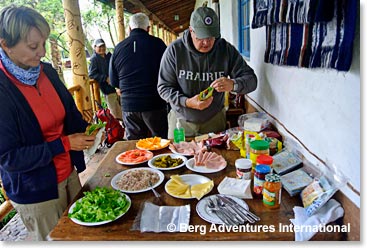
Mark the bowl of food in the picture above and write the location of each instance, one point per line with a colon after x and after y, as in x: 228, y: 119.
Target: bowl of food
x: 167, y: 161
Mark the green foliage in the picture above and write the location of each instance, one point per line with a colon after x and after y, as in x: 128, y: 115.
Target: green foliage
x: 9, y: 215
x: 7, y: 218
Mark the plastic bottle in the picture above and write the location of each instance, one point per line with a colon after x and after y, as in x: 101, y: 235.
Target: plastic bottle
x: 178, y: 133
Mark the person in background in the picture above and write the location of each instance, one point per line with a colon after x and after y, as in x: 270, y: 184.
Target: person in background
x: 98, y: 70
x: 41, y: 130
x: 134, y: 69
x: 201, y: 58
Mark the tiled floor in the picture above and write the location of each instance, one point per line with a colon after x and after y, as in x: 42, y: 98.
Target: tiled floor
x: 16, y: 231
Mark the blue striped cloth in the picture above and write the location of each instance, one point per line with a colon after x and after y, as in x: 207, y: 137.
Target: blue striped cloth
x: 309, y: 33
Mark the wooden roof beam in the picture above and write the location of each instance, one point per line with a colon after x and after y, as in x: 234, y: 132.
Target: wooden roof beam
x: 148, y: 12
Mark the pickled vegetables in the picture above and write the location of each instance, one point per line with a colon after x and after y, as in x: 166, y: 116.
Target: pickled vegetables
x: 167, y: 162
x: 205, y: 94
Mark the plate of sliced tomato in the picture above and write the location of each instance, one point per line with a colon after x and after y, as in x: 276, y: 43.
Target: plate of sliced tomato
x: 133, y: 157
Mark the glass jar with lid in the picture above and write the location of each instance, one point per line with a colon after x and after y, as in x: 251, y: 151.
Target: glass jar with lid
x: 272, y: 191
x: 259, y: 178
x: 264, y: 159
x: 258, y: 147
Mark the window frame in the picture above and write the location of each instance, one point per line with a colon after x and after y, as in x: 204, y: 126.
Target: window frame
x: 244, y: 26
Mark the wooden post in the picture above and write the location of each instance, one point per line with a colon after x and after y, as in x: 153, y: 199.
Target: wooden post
x: 151, y: 24
x: 78, y: 57
x: 96, y: 95
x: 120, y: 19
x: 6, y: 206
x: 78, y: 96
x: 159, y: 31
x: 165, y: 35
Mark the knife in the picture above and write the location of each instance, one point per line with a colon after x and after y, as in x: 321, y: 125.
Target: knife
x: 233, y: 219
x: 238, y: 206
x: 230, y: 207
x: 213, y: 209
x: 232, y: 213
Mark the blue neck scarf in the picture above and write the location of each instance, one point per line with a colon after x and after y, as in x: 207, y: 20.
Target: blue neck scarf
x: 28, y: 77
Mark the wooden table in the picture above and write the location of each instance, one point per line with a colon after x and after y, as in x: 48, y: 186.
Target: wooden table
x: 268, y: 228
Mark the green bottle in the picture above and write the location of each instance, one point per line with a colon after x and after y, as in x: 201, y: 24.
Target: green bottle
x: 178, y: 133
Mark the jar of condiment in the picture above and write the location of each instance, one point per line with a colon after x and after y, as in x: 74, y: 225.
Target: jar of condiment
x: 248, y: 139
x: 243, y: 168
x: 265, y: 159
x: 272, y: 191
x: 258, y: 147
x: 274, y: 145
x: 259, y: 178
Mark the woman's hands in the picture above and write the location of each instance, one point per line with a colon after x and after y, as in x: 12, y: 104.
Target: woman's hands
x: 81, y: 141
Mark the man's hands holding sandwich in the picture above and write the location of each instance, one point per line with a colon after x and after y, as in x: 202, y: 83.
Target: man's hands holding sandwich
x: 205, y: 98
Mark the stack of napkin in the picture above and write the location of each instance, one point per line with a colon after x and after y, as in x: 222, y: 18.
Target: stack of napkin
x: 157, y: 219
x: 237, y: 187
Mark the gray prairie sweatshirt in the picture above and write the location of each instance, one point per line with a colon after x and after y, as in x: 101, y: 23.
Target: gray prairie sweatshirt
x: 185, y: 72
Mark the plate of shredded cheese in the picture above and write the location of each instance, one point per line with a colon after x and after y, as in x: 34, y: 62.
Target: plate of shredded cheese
x: 189, y: 186
x: 152, y: 144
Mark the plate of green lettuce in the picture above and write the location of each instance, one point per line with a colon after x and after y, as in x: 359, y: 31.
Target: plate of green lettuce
x: 99, y: 206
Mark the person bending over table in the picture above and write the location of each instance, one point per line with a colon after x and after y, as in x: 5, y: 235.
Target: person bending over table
x: 201, y: 58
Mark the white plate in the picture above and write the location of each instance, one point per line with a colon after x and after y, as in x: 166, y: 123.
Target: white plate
x: 173, y: 150
x: 190, y: 179
x: 151, y: 161
x: 191, y: 143
x: 127, y: 163
x: 190, y: 164
x: 96, y: 223
x: 163, y: 144
x: 203, y: 210
x: 117, y: 177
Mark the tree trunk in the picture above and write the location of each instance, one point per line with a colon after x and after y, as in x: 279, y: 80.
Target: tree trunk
x: 120, y: 19
x: 79, y: 68
x: 56, y: 58
x: 109, y: 31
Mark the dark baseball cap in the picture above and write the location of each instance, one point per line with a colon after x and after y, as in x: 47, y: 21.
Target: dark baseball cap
x: 98, y: 42
x: 205, y: 23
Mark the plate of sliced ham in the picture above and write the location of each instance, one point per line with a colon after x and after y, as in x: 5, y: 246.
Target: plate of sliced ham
x: 206, y: 162
x: 187, y: 148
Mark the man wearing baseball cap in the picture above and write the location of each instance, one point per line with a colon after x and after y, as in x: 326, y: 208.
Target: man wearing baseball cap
x: 98, y: 70
x: 201, y: 58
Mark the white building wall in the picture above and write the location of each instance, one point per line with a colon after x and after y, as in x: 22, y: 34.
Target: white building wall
x: 320, y: 107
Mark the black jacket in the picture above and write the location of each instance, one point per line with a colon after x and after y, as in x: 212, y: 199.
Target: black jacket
x: 134, y: 69
x: 26, y: 166
x: 98, y: 70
